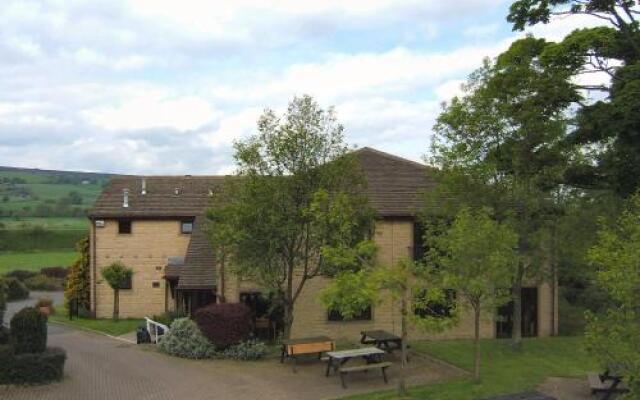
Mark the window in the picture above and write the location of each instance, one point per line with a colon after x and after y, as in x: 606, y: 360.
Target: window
x: 127, y: 285
x: 155, y: 285
x: 124, y: 226
x: 441, y: 308
x: 186, y: 227
x: 364, y: 315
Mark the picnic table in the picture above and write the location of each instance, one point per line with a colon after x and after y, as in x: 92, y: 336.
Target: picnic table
x: 382, y: 340
x: 293, y: 348
x: 372, y: 355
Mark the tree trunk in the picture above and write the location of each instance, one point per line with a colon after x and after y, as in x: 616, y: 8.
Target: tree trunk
x: 288, y: 319
x: 402, y: 386
x: 116, y: 304
x: 476, y: 343
x: 516, y: 291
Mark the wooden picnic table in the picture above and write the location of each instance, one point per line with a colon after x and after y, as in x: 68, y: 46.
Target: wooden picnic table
x: 293, y: 348
x: 382, y: 340
x: 372, y: 355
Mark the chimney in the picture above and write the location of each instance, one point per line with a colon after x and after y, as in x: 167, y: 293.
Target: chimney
x: 176, y: 191
x: 144, y: 186
x: 125, y: 199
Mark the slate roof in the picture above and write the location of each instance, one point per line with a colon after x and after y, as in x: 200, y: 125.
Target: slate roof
x: 394, y: 185
x: 199, y: 269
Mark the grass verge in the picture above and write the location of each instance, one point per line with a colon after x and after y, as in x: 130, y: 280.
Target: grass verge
x: 35, y: 260
x: 503, y: 370
x: 108, y: 326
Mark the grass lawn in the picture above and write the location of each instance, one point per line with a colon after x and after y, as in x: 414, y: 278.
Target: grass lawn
x: 35, y: 260
x: 503, y: 370
x: 51, y: 223
x: 101, y: 325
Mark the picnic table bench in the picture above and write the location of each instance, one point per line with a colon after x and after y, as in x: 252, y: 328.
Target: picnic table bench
x: 372, y: 355
x: 293, y: 348
x: 608, y: 384
x: 382, y: 340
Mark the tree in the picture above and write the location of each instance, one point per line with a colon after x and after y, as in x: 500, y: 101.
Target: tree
x: 606, y: 127
x: 614, y: 337
x: 351, y: 292
x: 78, y: 280
x: 501, y: 145
x: 118, y: 277
x: 476, y: 257
x: 297, y: 206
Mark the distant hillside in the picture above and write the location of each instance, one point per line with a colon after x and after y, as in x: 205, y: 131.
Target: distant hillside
x: 48, y: 193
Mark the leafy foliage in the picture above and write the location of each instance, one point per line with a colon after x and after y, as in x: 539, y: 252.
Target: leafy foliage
x: 31, y: 368
x: 185, y: 339
x: 15, y: 289
x: 3, y: 302
x: 298, y: 209
x: 78, y: 280
x: 29, y: 331
x: 117, y: 275
x: 249, y: 350
x: 614, y: 337
x: 476, y: 257
x: 224, y: 324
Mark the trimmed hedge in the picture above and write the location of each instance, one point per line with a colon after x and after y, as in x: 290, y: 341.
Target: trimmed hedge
x: 3, y: 302
x: 31, y: 368
x: 5, y: 335
x: 44, y: 283
x: 15, y: 289
x: 20, y: 274
x: 29, y: 331
x: 55, y: 272
x: 224, y: 324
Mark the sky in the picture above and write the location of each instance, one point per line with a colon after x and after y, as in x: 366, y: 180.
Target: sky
x: 166, y: 86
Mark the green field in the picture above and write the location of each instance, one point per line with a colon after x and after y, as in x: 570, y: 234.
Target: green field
x: 52, y: 223
x: 504, y: 370
x: 35, y: 260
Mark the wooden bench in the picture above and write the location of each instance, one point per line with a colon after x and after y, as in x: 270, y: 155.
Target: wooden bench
x: 382, y: 366
x: 606, y: 384
x: 298, y: 347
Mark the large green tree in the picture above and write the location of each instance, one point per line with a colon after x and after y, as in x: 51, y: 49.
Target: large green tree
x: 477, y: 257
x: 501, y: 145
x: 614, y: 336
x: 78, y: 281
x: 606, y: 127
x: 118, y: 277
x: 297, y: 207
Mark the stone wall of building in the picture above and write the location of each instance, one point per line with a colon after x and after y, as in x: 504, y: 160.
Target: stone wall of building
x: 145, y: 250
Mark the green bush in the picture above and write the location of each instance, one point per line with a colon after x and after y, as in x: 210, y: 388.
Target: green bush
x: 185, y: 339
x: 249, y: 350
x: 31, y: 368
x: 4, y: 335
x: 3, y: 302
x: 168, y: 317
x: 20, y: 274
x: 15, y: 289
x: 29, y: 331
x: 44, y: 283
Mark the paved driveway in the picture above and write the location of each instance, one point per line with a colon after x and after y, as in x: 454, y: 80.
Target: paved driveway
x: 99, y: 367
x: 15, y: 306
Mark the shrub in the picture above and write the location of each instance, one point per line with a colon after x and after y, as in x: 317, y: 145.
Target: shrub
x: 15, y: 289
x: 55, y: 272
x: 31, y: 367
x: 224, y: 324
x: 4, y: 335
x: 20, y: 274
x: 168, y: 317
x: 249, y: 350
x: 78, y: 280
x: 185, y: 339
x: 45, y: 302
x: 29, y: 331
x: 3, y: 302
x: 44, y: 283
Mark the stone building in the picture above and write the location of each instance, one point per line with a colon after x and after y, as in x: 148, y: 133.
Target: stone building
x: 156, y: 226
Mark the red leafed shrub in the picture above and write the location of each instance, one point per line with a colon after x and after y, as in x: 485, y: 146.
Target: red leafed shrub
x: 224, y: 324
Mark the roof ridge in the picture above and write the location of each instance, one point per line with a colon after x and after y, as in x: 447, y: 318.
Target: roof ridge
x: 391, y: 156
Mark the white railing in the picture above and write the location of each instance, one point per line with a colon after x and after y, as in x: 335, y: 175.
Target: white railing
x: 156, y: 329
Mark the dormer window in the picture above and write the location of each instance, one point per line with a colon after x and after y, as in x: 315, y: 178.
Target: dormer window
x: 186, y: 227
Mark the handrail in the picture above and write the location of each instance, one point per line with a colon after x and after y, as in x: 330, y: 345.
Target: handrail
x: 152, y: 328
